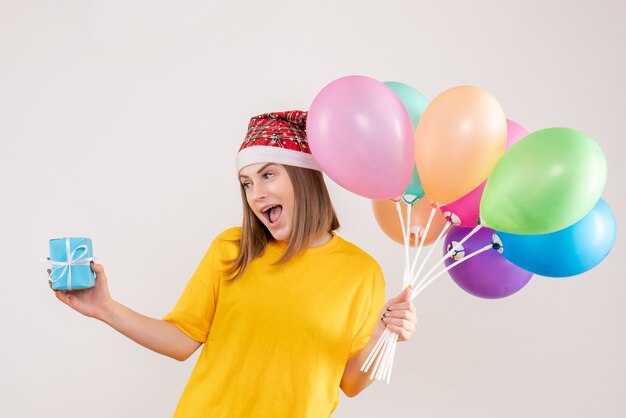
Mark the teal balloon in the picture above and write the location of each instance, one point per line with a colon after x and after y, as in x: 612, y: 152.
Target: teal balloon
x: 545, y: 182
x: 414, y: 102
x: 415, y: 191
x: 567, y: 252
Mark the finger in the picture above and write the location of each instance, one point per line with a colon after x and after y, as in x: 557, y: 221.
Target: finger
x: 402, y: 306
x: 406, y: 294
x: 97, y: 268
x: 403, y: 296
x: 63, y: 296
x: 403, y: 334
x: 401, y: 314
x: 400, y: 323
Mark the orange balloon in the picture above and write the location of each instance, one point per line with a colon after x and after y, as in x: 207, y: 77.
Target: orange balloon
x: 458, y: 140
x: 387, y: 217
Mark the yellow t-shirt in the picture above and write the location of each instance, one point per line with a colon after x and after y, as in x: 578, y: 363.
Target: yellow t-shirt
x: 277, y: 339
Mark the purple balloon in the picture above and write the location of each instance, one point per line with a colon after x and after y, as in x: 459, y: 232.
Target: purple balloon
x: 487, y: 275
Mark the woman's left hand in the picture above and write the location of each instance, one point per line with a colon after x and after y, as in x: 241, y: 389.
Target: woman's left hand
x: 398, y: 315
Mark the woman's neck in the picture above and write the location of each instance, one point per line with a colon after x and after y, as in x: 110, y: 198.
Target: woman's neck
x: 323, y: 239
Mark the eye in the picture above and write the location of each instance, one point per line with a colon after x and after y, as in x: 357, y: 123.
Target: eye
x: 245, y: 184
x: 268, y: 175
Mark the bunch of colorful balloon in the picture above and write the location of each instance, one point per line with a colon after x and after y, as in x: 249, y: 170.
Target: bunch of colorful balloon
x: 541, y: 198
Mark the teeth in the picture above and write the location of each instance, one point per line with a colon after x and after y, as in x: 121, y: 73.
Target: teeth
x: 269, y: 208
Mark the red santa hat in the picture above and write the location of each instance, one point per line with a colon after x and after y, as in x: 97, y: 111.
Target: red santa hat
x: 277, y: 137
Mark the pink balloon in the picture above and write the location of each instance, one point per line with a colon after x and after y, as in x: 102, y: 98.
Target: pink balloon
x: 362, y: 137
x: 465, y: 210
x: 514, y: 132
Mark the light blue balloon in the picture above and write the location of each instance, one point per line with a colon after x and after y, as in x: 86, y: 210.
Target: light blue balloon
x: 415, y: 191
x: 415, y: 103
x: 567, y: 252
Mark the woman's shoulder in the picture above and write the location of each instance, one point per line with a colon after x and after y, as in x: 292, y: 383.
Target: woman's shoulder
x: 230, y: 234
x: 359, y: 262
x: 349, y: 249
x: 226, y: 243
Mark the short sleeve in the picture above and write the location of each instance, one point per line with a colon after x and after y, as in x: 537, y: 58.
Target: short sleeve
x: 194, y: 311
x: 377, y: 300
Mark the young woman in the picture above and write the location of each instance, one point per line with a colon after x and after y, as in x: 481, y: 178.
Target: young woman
x: 287, y: 310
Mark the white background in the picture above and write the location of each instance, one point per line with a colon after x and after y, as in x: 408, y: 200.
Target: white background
x: 120, y: 120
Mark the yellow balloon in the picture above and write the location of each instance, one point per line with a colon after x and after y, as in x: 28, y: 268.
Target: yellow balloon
x: 386, y: 215
x: 458, y: 140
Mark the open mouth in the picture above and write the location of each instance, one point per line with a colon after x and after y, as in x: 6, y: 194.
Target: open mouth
x: 272, y: 214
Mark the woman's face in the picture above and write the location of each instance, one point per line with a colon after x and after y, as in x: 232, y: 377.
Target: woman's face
x: 269, y: 193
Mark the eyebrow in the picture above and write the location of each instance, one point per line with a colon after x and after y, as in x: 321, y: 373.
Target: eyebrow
x: 260, y: 169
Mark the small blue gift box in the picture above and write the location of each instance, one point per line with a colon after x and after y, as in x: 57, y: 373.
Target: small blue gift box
x: 69, y: 260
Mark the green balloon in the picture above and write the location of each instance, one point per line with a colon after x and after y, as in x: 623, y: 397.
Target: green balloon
x: 414, y: 102
x: 543, y: 183
x: 415, y: 191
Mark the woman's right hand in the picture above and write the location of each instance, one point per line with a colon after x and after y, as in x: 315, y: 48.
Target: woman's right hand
x: 94, y: 302
x: 156, y: 334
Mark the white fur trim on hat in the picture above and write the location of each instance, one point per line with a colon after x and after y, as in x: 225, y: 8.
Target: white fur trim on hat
x: 268, y: 154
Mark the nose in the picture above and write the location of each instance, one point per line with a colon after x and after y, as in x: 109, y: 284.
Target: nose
x: 259, y: 193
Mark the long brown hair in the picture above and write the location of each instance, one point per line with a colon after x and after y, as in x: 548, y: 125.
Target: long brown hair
x: 313, y: 216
